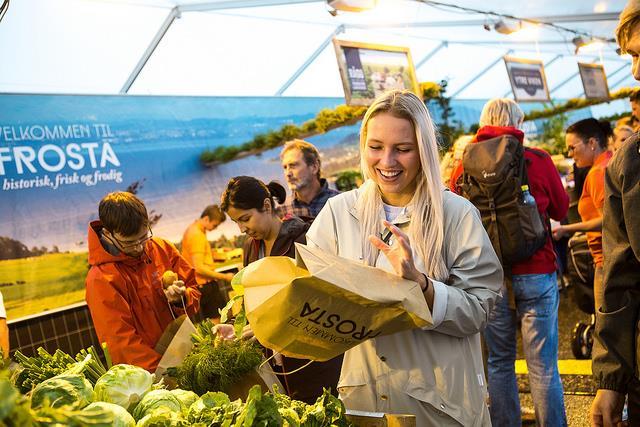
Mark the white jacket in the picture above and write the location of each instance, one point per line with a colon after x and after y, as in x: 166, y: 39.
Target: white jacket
x: 435, y: 373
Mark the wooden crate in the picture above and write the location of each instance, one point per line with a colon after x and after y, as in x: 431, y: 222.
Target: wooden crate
x: 372, y: 419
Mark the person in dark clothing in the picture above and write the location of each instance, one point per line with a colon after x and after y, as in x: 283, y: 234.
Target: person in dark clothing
x: 250, y: 204
x: 616, y: 349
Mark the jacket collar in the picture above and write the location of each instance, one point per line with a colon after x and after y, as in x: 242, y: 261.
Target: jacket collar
x: 356, y: 206
x: 99, y: 255
x: 488, y: 132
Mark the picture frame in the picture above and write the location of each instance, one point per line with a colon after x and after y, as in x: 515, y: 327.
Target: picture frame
x: 594, y: 81
x: 368, y: 70
x: 528, y: 79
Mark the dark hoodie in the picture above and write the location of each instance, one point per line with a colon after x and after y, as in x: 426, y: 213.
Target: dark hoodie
x: 307, y: 384
x: 128, y: 306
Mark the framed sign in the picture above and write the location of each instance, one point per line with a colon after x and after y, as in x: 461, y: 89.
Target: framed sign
x: 368, y: 70
x: 528, y: 81
x: 594, y: 81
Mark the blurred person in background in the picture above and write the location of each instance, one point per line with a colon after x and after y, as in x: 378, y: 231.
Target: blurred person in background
x: 616, y: 348
x: 534, y: 290
x: 587, y: 142
x: 621, y: 132
x: 197, y: 250
x: 303, y: 172
x: 4, y: 331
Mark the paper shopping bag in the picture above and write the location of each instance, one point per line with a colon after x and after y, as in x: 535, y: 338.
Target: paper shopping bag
x: 322, y: 305
x: 174, y: 345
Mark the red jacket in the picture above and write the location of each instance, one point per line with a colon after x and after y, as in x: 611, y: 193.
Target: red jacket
x: 128, y: 306
x: 545, y: 186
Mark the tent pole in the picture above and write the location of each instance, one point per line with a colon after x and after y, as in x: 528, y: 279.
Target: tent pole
x: 568, y: 79
x: 481, y: 73
x: 309, y: 61
x: 431, y: 54
x: 173, y: 14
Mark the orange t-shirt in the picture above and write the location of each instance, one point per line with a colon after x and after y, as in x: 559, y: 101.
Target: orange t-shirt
x: 592, y: 201
x: 195, y: 241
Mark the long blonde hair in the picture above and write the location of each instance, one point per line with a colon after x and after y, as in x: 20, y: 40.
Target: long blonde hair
x: 426, y: 230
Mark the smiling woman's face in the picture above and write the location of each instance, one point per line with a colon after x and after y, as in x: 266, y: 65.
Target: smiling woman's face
x: 391, y: 152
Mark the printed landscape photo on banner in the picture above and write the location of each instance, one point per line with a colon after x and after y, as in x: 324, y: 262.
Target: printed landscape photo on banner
x: 60, y: 154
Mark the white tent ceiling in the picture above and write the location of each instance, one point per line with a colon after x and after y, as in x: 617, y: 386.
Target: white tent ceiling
x: 255, y: 47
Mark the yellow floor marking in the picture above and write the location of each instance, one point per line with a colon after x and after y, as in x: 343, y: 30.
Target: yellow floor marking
x: 566, y: 367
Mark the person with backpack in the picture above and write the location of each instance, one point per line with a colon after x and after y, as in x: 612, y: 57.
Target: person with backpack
x: 587, y: 142
x: 517, y: 190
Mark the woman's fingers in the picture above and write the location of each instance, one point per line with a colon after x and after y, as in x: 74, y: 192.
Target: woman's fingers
x: 379, y: 244
x: 401, y: 238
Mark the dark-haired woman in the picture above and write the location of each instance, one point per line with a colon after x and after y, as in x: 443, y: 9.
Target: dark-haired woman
x: 587, y: 142
x: 250, y: 204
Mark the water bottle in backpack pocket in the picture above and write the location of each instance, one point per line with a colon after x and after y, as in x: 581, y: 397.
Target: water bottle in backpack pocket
x: 495, y: 181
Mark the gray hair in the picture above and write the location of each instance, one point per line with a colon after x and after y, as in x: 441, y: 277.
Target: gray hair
x: 501, y: 112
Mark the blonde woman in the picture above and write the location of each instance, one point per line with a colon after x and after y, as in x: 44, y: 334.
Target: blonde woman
x: 437, y: 241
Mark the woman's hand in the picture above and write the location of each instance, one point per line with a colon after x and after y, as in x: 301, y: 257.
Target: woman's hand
x: 399, y: 255
x: 559, y: 232
x: 227, y: 331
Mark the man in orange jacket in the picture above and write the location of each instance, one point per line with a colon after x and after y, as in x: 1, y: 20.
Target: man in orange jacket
x: 129, y: 305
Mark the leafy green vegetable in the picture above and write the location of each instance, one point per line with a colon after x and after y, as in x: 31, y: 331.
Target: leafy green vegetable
x: 123, y: 385
x: 162, y: 417
x: 209, y: 408
x: 261, y: 410
x: 15, y: 409
x: 187, y: 397
x: 64, y: 390
x: 215, y: 364
x: 48, y: 416
x: 44, y: 365
x: 158, y: 399
x: 121, y: 418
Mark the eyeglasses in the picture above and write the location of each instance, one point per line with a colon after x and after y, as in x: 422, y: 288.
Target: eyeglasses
x: 131, y: 245
x: 572, y: 148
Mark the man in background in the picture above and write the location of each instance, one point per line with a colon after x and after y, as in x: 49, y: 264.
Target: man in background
x: 302, y: 170
x: 4, y: 331
x: 197, y: 250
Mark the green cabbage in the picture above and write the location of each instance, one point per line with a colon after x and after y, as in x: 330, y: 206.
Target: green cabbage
x: 186, y: 397
x: 162, y: 417
x: 123, y: 385
x: 121, y: 418
x: 63, y: 390
x: 214, y: 408
x: 157, y: 399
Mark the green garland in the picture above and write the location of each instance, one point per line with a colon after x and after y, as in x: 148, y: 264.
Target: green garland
x: 576, y: 104
x: 327, y: 119
x: 345, y: 115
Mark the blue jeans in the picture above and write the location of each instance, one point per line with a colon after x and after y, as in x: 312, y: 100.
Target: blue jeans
x: 537, y: 300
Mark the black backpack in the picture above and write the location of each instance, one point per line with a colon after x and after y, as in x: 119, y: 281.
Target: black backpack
x: 494, y: 172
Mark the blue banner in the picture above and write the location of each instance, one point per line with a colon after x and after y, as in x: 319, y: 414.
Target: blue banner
x: 59, y: 155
